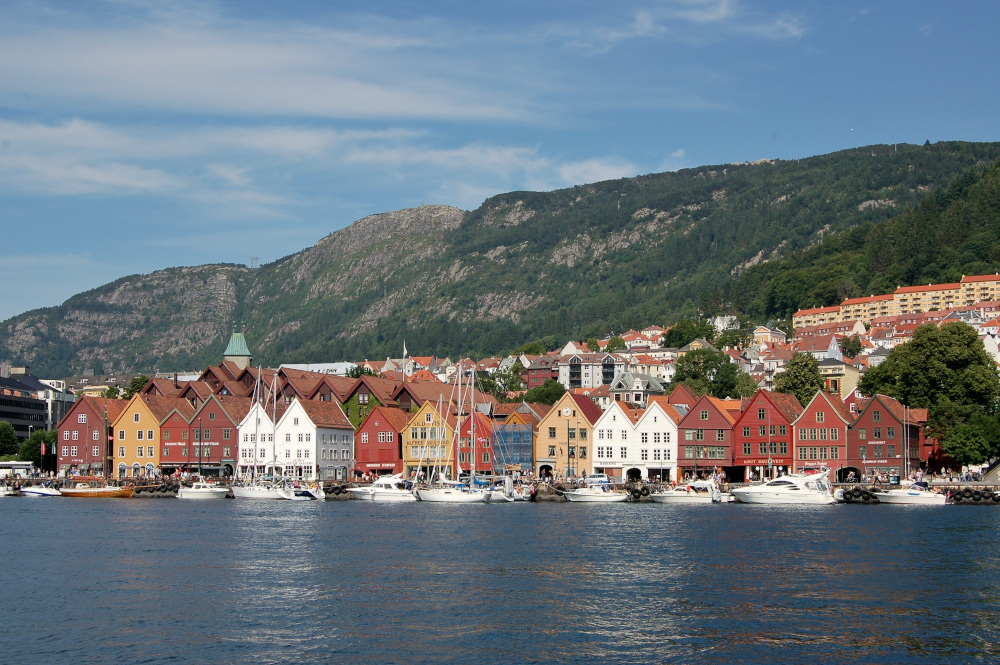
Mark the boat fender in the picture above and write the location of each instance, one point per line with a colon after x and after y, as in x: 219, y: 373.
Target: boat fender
x: 336, y: 490
x: 956, y: 497
x: 967, y: 493
x: 996, y: 497
x: 856, y: 492
x: 636, y: 494
x: 865, y: 496
x: 977, y: 495
x: 645, y: 491
x: 848, y: 496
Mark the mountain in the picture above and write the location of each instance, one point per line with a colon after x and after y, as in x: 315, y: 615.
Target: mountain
x: 571, y: 263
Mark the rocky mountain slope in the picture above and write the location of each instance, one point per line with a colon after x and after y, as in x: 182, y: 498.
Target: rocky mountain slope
x: 576, y: 262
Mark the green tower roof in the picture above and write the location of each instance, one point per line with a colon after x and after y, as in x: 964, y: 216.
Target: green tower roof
x: 237, y: 346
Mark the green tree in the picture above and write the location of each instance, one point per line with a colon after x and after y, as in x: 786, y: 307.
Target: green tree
x: 547, y: 393
x: 135, y: 385
x: 531, y: 349
x: 697, y: 369
x: 850, y: 346
x: 733, y: 338
x: 615, y: 344
x: 593, y: 344
x: 502, y: 382
x: 745, y: 385
x: 9, y: 443
x: 686, y: 331
x: 801, y: 378
x: 111, y: 392
x: 31, y: 449
x: 358, y: 371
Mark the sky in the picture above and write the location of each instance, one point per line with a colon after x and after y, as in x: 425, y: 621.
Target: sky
x: 137, y: 135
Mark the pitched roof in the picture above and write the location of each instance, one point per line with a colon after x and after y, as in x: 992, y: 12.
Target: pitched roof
x: 397, y: 418
x: 161, y: 407
x: 325, y: 414
x: 587, y: 407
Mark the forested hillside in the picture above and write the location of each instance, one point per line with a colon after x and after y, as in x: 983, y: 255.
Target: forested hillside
x: 573, y: 263
x: 955, y: 231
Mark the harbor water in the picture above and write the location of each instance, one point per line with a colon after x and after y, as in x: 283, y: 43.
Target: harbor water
x: 110, y: 581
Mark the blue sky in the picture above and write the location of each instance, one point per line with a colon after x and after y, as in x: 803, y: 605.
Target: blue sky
x: 139, y: 135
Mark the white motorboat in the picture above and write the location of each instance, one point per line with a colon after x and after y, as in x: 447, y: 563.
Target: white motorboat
x: 793, y: 488
x: 916, y: 494
x: 303, y: 491
x: 203, y: 490
x: 270, y: 491
x: 596, y: 494
x: 385, y: 488
x: 45, y: 489
x: 696, y: 491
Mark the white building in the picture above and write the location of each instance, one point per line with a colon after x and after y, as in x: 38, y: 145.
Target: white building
x: 314, y: 441
x: 634, y: 444
x: 257, y: 454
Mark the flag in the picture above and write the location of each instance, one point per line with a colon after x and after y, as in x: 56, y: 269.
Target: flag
x: 404, y: 348
x: 43, y: 447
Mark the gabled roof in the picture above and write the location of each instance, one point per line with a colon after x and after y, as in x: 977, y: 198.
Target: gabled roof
x: 396, y: 418
x: 161, y: 407
x: 669, y: 409
x: 99, y: 404
x: 587, y: 407
x: 682, y: 394
x: 325, y: 414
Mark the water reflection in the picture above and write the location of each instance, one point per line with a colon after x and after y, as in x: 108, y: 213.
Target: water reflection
x: 313, y: 582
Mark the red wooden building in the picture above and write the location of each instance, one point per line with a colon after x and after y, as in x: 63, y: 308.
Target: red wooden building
x: 706, y: 438
x: 378, y: 442
x: 821, y: 436
x: 475, y: 444
x: 83, y: 435
x: 763, y: 435
x: 884, y: 439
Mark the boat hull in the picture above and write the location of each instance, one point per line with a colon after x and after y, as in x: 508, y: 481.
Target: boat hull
x: 578, y: 496
x: 450, y: 496
x: 682, y: 497
x: 99, y: 492
x: 40, y: 491
x: 911, y: 498
x: 259, y: 492
x: 202, y: 494
x: 384, y: 496
x: 803, y: 499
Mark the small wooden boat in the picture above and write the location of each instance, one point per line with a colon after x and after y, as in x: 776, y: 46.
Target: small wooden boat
x: 87, y: 491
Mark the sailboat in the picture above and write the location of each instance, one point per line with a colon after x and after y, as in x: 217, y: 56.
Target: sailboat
x: 259, y: 488
x: 450, y: 491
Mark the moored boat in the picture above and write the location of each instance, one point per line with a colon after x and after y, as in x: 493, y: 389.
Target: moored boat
x: 258, y: 490
x: 792, y: 488
x: 917, y: 494
x: 596, y: 494
x: 203, y: 490
x: 385, y: 489
x: 88, y: 491
x: 45, y: 489
x: 696, y: 491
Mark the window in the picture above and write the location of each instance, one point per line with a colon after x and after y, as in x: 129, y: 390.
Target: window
x: 308, y: 436
x: 226, y: 451
x: 184, y: 435
x: 121, y: 451
x: 720, y: 435
x: 834, y: 434
x: 570, y: 433
x: 166, y: 435
x: 644, y: 454
x: 704, y: 414
x: 782, y: 430
x: 823, y: 452
x: 364, y: 437
x: 139, y: 451
x: 95, y: 451
x: 288, y: 437
x: 135, y: 417
x: 427, y: 417
x: 773, y: 430
x: 890, y: 451
x: 813, y: 452
x: 761, y: 414
x: 890, y: 432
x: 65, y: 451
x: 812, y: 433
x: 802, y: 452
x: 656, y: 454
x: 688, y: 451
x: 65, y: 435
x: 803, y: 434
x: 746, y: 448
x: 644, y: 437
x: 822, y: 434
x: 414, y: 451
x: 552, y: 432
x: 138, y: 435
x: 82, y: 418
x: 834, y: 452
x: 762, y: 430
x: 76, y: 435
x: 295, y: 421
x: 226, y: 434
x: 862, y: 433
x: 746, y: 432
x: 552, y: 451
x: 583, y: 435
x: 486, y: 456
x: 624, y: 452
x: 149, y: 451
x: 149, y: 435
x: 783, y: 447
x: 876, y: 416
x: 877, y: 451
x: 819, y: 416
x: 624, y: 435
x: 762, y: 448
x: 689, y: 435
x: 72, y: 451
x: 862, y: 452
x: 876, y: 433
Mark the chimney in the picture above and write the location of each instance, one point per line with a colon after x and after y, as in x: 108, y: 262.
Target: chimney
x: 176, y: 385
